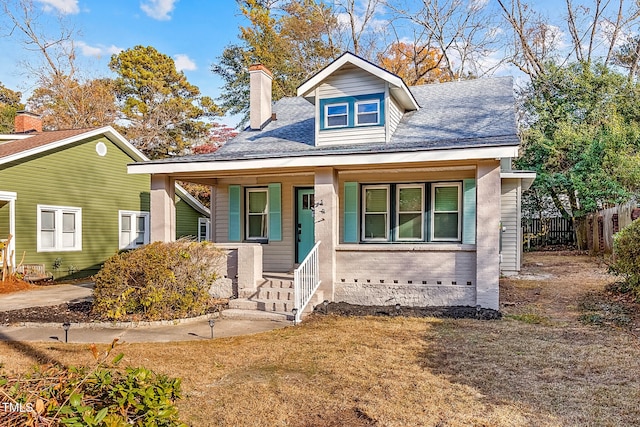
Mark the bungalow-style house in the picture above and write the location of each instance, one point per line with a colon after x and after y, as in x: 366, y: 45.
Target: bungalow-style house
x: 391, y: 194
x: 68, y: 202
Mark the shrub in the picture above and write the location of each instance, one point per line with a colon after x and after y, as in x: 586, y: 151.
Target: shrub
x: 159, y: 281
x: 102, y: 396
x: 626, y: 246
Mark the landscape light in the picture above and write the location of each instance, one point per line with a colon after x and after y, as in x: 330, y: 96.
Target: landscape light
x: 326, y: 306
x: 66, y: 326
x: 295, y: 315
x: 211, y: 324
x: 397, y: 308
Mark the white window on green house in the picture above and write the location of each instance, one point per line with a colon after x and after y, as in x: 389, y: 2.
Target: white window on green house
x: 257, y: 214
x: 445, y: 199
x: 375, y: 223
x: 59, y: 228
x: 134, y: 229
x: 204, y: 224
x: 367, y: 112
x: 336, y: 115
x: 410, y: 212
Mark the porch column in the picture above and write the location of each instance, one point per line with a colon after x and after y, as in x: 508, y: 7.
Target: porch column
x: 326, y: 226
x: 163, y: 208
x: 488, y: 234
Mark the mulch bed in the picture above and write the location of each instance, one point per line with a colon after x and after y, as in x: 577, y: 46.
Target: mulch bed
x: 455, y: 312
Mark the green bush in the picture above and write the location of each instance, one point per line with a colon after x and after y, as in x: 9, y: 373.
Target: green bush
x: 626, y: 246
x: 102, y: 396
x: 159, y: 281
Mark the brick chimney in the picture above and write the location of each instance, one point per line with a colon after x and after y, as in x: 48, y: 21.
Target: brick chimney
x: 27, y: 122
x: 260, y: 79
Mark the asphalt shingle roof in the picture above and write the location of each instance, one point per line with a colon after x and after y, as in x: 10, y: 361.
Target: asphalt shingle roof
x: 471, y: 113
x: 37, y: 140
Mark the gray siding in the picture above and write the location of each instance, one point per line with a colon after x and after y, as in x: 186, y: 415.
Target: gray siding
x: 350, y: 82
x: 509, y: 214
x: 395, y: 113
x: 278, y: 256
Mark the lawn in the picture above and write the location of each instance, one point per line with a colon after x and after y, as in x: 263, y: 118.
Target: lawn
x: 539, y: 366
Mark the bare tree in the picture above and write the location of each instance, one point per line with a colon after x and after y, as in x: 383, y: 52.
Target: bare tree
x: 465, y: 31
x: 595, y: 30
x: 358, y: 30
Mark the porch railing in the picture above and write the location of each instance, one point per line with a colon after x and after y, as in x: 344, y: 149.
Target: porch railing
x: 306, y: 280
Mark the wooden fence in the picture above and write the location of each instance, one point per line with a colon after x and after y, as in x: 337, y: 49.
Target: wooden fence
x: 547, y: 232
x: 597, y: 229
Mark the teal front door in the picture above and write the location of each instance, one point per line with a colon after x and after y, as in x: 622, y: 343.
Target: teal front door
x: 305, y: 233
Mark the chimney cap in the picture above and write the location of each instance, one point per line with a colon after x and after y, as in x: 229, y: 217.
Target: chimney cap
x: 28, y: 113
x: 260, y: 67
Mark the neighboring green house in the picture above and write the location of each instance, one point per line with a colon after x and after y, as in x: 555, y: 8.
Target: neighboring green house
x: 68, y: 202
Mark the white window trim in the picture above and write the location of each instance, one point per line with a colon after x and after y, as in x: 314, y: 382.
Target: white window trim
x: 133, y: 233
x: 433, y: 210
x: 58, y: 211
x: 366, y: 101
x: 364, y: 213
x: 266, y: 214
x: 326, y: 115
x: 397, y: 227
x: 207, y: 224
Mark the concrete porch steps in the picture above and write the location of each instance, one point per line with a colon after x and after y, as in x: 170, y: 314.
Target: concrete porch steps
x: 272, y: 300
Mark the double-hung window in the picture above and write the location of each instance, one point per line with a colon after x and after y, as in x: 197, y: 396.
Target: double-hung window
x: 204, y: 224
x: 257, y: 214
x: 134, y: 229
x: 59, y: 228
x: 367, y: 112
x: 375, y: 202
x: 336, y: 115
x: 411, y: 212
x: 445, y: 211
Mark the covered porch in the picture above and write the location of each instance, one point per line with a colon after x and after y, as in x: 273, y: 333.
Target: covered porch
x: 8, y: 227
x: 272, y: 209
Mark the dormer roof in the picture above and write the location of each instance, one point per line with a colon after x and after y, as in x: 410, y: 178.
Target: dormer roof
x: 397, y: 87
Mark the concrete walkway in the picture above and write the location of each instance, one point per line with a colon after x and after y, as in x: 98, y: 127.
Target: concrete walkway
x: 104, y: 333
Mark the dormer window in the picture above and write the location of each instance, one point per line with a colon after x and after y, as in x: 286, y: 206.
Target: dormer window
x: 337, y: 115
x: 367, y: 112
x: 352, y: 111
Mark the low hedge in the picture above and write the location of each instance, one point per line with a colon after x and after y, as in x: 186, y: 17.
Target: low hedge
x: 626, y: 247
x: 159, y: 281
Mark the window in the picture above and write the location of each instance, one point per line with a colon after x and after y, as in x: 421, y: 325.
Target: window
x: 352, y: 111
x: 411, y: 212
x: 134, y: 229
x: 59, y: 228
x: 203, y: 229
x: 375, y: 200
x: 367, y: 112
x: 445, y: 201
x: 337, y: 115
x: 409, y: 215
x: 257, y: 214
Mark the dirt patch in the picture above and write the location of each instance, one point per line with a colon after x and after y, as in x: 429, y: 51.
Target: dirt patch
x: 552, y: 284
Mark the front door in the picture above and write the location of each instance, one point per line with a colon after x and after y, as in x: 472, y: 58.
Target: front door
x: 305, y: 232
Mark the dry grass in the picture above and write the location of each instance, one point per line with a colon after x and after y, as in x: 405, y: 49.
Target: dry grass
x: 335, y: 371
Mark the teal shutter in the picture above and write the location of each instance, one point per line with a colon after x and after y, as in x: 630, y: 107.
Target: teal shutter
x: 351, y: 212
x: 275, y: 212
x: 469, y: 211
x: 234, y: 213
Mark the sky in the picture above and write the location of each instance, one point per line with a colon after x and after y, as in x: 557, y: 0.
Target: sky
x: 192, y: 32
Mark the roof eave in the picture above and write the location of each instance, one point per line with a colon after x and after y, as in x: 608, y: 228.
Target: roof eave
x: 400, y: 89
x: 330, y: 160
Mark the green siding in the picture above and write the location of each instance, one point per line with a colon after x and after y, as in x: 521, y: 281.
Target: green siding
x: 186, y: 220
x: 76, y: 176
